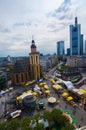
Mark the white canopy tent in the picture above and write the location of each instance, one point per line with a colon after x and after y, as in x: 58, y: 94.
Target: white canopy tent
x: 68, y: 84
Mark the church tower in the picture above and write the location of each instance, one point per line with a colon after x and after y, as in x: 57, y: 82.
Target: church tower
x: 34, y: 62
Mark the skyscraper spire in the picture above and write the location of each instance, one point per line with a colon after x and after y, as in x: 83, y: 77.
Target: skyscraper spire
x: 76, y: 21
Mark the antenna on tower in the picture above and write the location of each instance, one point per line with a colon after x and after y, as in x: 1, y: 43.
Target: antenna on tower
x: 33, y: 39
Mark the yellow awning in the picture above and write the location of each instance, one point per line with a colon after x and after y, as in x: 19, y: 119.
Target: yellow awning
x: 43, y: 83
x: 57, y: 87
x: 23, y: 92
x: 69, y: 98
x: 64, y: 94
x: 35, y: 94
x: 82, y: 90
x: 47, y: 91
x: 52, y: 80
x: 29, y: 91
x: 18, y: 98
x: 46, y: 87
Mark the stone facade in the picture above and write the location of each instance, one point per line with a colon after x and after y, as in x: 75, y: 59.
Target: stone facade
x: 25, y: 70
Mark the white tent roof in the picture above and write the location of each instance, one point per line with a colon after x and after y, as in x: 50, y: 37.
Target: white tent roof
x: 36, y: 88
x: 26, y: 94
x: 68, y: 84
x: 75, y: 90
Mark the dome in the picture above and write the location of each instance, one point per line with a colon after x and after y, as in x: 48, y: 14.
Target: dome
x: 33, y: 46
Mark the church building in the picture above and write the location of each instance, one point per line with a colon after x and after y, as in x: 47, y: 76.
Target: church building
x: 26, y: 70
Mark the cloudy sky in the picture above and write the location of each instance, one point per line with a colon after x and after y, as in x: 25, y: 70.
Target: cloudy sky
x: 47, y: 20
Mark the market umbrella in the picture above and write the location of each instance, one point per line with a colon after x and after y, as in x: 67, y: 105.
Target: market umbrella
x: 52, y: 100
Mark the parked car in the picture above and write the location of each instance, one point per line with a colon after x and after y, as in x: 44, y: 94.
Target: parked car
x: 14, y: 114
x: 11, y: 88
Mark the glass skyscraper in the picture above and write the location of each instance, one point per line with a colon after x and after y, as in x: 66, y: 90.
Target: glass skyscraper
x: 60, y: 48
x: 76, y: 39
x: 85, y: 47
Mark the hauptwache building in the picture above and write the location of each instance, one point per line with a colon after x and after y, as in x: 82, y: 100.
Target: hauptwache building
x: 26, y: 70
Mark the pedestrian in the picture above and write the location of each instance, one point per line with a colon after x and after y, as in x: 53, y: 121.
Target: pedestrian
x: 79, y: 126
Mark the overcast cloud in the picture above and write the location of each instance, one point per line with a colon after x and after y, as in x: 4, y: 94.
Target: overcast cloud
x: 47, y: 20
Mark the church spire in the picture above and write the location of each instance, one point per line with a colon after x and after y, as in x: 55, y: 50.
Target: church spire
x: 33, y: 46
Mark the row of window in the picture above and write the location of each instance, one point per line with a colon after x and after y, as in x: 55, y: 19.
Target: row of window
x: 23, y: 77
x: 34, y: 60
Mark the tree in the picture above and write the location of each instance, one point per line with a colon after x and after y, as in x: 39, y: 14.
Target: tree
x: 13, y: 125
x: 68, y: 127
x: 26, y: 128
x: 36, y: 118
x: 26, y: 121
x: 3, y: 126
x: 47, y: 115
x: 39, y: 126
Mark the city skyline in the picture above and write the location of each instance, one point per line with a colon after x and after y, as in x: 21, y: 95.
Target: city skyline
x: 46, y: 20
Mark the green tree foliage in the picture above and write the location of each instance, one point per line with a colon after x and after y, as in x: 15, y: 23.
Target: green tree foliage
x: 39, y: 126
x: 68, y: 127
x: 25, y: 122
x: 26, y: 128
x: 47, y: 115
x: 36, y: 117
x: 13, y: 125
x: 55, y: 119
x: 3, y: 126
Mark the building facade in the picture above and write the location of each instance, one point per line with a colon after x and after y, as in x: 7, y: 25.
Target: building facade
x: 77, y: 61
x: 85, y: 47
x: 68, y: 51
x: 60, y: 48
x: 20, y: 73
x: 34, y: 62
x: 26, y: 70
x: 76, y: 39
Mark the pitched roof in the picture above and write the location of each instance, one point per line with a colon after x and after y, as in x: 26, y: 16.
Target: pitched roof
x: 21, y: 66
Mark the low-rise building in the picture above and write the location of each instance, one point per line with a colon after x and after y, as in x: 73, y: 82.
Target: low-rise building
x: 77, y: 61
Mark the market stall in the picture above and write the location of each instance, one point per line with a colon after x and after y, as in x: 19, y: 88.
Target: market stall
x: 52, y: 100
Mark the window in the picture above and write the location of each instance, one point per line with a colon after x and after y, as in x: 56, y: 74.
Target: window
x: 22, y: 79
x: 36, y: 59
x: 26, y: 76
x: 17, y: 78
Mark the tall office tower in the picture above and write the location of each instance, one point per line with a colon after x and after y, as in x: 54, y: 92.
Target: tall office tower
x: 76, y: 39
x: 68, y: 51
x: 85, y: 47
x: 34, y: 62
x: 60, y: 48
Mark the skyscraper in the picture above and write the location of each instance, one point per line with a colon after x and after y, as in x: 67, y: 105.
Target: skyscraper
x: 76, y: 39
x: 85, y: 47
x: 60, y: 48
